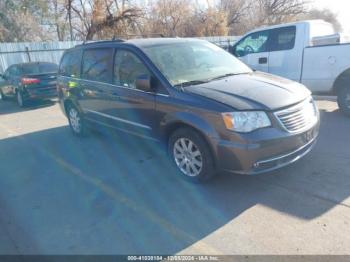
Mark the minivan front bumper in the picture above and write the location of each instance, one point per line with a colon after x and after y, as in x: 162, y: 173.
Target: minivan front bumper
x: 266, y: 150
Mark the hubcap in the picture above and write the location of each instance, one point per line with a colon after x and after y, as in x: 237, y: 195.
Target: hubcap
x: 187, y: 157
x: 74, y: 120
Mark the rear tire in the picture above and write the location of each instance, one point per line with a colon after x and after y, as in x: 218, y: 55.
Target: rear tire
x: 191, y: 155
x: 20, y: 100
x: 344, y: 100
x: 76, y: 121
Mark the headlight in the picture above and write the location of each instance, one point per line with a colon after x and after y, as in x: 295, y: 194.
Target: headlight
x: 246, y: 121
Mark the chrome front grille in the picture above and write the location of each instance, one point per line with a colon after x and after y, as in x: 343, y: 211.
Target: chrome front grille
x: 299, y: 117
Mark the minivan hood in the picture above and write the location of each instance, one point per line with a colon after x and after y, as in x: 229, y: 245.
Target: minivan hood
x: 253, y: 91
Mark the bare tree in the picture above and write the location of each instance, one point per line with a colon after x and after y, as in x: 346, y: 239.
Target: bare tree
x: 20, y: 21
x: 95, y: 16
x: 170, y: 17
x: 236, y: 10
x: 208, y: 22
x: 55, y: 19
x: 279, y: 11
x: 68, y: 6
x: 244, y: 15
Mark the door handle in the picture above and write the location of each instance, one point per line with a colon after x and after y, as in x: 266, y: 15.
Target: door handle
x: 263, y: 60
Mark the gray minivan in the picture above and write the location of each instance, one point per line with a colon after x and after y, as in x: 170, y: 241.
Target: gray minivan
x: 213, y: 112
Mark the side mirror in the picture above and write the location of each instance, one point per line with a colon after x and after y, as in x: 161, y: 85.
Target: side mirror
x: 143, y: 82
x: 235, y: 52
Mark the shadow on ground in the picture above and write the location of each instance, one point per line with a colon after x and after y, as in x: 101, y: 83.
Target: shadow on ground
x: 108, y: 193
x: 9, y: 106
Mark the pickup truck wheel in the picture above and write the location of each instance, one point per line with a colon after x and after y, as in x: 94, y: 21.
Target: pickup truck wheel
x: 191, y: 155
x: 20, y: 100
x: 344, y: 100
x: 76, y: 121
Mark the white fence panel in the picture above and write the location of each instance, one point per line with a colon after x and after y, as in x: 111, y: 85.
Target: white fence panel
x: 14, y: 53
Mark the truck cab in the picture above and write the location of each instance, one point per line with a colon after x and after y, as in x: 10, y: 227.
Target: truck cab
x: 309, y: 52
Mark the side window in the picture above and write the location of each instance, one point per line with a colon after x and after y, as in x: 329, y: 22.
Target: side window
x: 283, y: 38
x: 127, y: 68
x: 98, y: 64
x: 70, y: 64
x: 253, y: 43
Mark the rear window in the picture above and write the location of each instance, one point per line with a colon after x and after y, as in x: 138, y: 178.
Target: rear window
x: 39, y: 68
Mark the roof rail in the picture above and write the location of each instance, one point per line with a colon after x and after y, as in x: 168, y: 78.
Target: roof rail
x: 117, y: 39
x: 102, y: 41
x: 142, y: 35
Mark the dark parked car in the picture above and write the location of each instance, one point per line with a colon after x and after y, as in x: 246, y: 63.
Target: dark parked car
x: 36, y: 80
x: 212, y: 111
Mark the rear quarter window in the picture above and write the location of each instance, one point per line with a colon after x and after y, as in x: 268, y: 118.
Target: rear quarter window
x: 70, y: 64
x: 98, y: 64
x: 283, y: 38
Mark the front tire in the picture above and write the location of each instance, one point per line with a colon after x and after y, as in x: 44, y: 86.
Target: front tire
x: 76, y: 121
x: 191, y: 155
x: 344, y: 100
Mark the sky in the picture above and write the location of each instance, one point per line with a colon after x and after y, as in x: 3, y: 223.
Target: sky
x: 340, y: 7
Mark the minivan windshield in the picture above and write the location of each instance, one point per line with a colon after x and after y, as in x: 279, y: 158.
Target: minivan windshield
x: 194, y: 62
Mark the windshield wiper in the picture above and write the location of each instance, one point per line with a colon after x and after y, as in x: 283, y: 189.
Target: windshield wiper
x: 198, y: 82
x: 191, y: 83
x: 225, y: 75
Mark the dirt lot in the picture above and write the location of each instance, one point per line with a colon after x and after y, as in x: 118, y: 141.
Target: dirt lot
x: 112, y: 194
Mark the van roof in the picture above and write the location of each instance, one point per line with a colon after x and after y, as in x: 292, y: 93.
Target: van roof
x: 141, y: 42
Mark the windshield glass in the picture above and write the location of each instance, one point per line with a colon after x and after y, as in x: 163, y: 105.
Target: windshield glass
x: 194, y: 61
x: 39, y: 68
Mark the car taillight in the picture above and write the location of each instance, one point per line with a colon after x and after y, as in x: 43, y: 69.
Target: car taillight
x: 29, y: 81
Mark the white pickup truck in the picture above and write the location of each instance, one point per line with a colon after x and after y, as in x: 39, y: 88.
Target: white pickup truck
x: 309, y: 52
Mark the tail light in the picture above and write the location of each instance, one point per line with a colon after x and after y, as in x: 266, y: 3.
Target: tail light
x: 29, y: 81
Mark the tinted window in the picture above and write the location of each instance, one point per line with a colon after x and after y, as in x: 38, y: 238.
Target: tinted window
x: 127, y: 68
x: 70, y: 64
x: 13, y: 71
x: 97, y: 64
x: 283, y: 38
x: 39, y: 68
x: 7, y: 72
x: 253, y: 43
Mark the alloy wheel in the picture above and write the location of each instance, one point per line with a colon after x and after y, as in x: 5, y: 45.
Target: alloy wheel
x: 75, y: 120
x: 188, y: 157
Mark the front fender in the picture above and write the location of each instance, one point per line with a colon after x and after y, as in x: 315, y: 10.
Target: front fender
x: 187, y: 118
